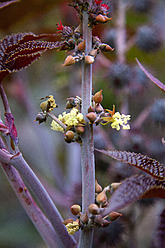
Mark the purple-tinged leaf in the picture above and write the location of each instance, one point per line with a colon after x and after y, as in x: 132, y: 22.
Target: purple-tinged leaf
x: 160, y: 232
x: 151, y: 77
x: 6, y: 3
x: 133, y: 189
x: 142, y: 162
x: 20, y: 50
x: 9, y: 121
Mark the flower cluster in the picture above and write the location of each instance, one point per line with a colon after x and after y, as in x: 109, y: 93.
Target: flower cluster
x: 72, y: 227
x: 73, y: 118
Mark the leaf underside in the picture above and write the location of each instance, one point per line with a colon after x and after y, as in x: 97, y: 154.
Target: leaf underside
x: 19, y: 50
x: 142, y: 162
x: 133, y: 189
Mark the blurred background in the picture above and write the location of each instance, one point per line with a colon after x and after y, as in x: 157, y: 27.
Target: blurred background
x: 137, y: 30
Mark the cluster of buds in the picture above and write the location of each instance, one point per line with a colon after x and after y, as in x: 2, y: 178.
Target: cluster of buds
x: 98, y: 11
x: 97, y: 114
x: 94, y: 216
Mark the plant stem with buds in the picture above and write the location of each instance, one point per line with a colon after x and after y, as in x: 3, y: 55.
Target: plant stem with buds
x: 87, y: 148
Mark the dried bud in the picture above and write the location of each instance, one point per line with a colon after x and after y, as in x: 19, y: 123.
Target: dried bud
x: 65, y: 222
x: 108, y: 48
x: 41, y: 117
x: 101, y: 198
x: 91, y: 109
x: 98, y: 97
x: 102, y: 18
x: 93, y: 209
x: 84, y: 218
x: 70, y: 60
x: 80, y: 129
x: 91, y: 116
x: 89, y: 59
x: 99, y: 108
x: 98, y: 187
x: 105, y: 223
x: 98, y: 219
x: 69, y: 135
x: 75, y: 209
x: 93, y: 52
x: 81, y: 46
x: 114, y: 215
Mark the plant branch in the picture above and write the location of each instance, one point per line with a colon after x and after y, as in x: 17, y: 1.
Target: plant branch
x: 87, y: 148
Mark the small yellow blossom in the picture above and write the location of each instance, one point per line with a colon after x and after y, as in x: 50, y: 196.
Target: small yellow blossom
x: 117, y: 120
x: 73, y: 118
x: 49, y: 104
x: 72, y: 227
x: 55, y: 126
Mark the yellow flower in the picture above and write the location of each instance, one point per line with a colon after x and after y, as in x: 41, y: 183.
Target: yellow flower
x: 73, y: 118
x: 116, y: 119
x: 72, y: 227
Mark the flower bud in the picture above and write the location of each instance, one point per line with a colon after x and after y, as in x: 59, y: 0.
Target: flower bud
x: 80, y: 129
x: 69, y: 135
x: 99, y: 108
x: 93, y: 52
x: 75, y: 209
x: 81, y: 46
x: 98, y: 187
x: 93, y: 209
x: 102, y: 18
x: 114, y: 215
x: 98, y: 97
x: 98, y: 219
x: 115, y: 186
x: 91, y: 109
x: 44, y: 105
x: 89, y: 59
x: 70, y: 60
x: 65, y: 222
x: 40, y: 118
x: 84, y: 218
x: 101, y: 198
x: 105, y: 223
x: 91, y: 116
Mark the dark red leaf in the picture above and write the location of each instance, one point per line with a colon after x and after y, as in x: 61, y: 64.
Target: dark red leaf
x: 151, y: 77
x: 131, y: 190
x: 142, y: 162
x: 22, y: 48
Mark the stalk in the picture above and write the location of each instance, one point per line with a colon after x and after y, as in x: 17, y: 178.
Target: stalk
x: 87, y: 147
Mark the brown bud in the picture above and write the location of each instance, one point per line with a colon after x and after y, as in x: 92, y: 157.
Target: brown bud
x: 84, y: 218
x: 108, y: 48
x: 93, y: 52
x: 91, y: 116
x: 93, y: 209
x: 98, y: 219
x: 65, y: 222
x: 98, y: 97
x: 70, y: 60
x: 75, y: 209
x: 40, y: 118
x: 69, y: 135
x: 91, y: 109
x: 115, y: 185
x: 105, y: 223
x: 44, y: 106
x: 98, y: 108
x: 81, y: 46
x: 98, y: 187
x: 80, y: 129
x: 114, y: 215
x: 101, y: 197
x: 89, y: 59
x: 102, y: 18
